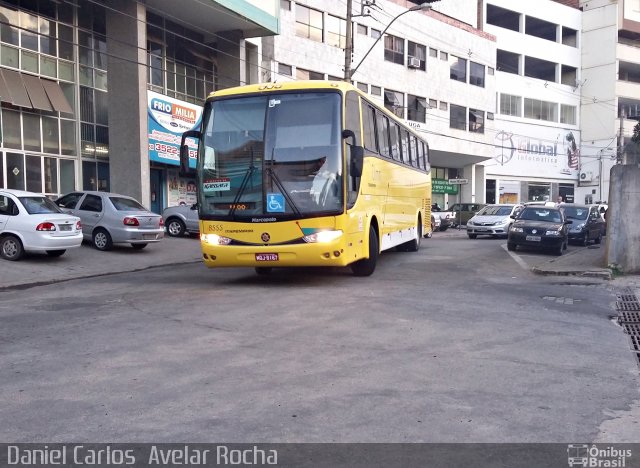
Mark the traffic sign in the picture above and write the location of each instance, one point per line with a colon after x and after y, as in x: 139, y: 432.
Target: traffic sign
x: 458, y: 181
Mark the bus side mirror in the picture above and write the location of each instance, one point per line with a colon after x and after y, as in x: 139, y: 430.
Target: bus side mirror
x: 185, y: 169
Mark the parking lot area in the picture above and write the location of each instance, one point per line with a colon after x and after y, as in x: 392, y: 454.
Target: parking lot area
x: 457, y: 342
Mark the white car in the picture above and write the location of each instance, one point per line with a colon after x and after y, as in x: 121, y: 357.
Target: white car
x: 492, y: 220
x: 31, y: 222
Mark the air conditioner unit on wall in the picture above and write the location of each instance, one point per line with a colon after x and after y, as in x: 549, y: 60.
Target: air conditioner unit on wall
x: 414, y: 62
x: 586, y: 176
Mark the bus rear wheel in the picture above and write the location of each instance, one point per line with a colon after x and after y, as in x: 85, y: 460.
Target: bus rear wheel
x: 367, y: 266
x: 414, y: 245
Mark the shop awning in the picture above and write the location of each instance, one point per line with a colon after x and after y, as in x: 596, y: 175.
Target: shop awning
x: 32, y: 92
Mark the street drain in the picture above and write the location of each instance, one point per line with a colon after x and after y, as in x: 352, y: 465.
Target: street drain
x: 628, y: 305
x: 631, y: 328
x: 634, y: 341
x: 626, y: 317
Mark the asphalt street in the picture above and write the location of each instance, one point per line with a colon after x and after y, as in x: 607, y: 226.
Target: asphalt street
x: 455, y: 343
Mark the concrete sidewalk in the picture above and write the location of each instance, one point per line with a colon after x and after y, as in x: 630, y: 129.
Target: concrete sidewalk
x: 86, y: 262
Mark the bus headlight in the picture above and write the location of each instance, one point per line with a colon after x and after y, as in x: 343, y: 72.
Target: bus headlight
x: 322, y: 237
x: 214, y: 239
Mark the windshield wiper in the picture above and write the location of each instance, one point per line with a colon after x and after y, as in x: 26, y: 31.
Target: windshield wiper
x: 243, y: 186
x: 278, y: 182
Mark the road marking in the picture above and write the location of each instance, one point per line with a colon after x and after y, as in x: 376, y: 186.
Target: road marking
x: 516, y: 257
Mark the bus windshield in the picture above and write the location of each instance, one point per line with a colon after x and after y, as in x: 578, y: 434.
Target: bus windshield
x: 275, y: 155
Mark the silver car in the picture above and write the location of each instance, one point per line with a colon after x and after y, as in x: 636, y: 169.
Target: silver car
x: 110, y: 218
x: 492, y: 220
x: 181, y: 219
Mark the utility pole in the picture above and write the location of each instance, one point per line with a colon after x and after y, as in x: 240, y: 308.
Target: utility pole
x: 619, y: 159
x: 348, y: 50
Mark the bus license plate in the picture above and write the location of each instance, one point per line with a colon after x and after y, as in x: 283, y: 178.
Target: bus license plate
x: 267, y: 257
x: 534, y: 238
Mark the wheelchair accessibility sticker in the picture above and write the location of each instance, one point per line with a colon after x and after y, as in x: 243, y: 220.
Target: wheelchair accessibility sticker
x: 275, y: 203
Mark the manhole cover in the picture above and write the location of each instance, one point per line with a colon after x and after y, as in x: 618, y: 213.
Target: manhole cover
x: 629, y: 317
x: 628, y: 305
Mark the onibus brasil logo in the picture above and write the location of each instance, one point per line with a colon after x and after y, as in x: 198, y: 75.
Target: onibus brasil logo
x: 594, y: 456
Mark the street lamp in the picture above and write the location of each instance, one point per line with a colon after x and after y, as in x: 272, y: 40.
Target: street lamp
x: 422, y: 6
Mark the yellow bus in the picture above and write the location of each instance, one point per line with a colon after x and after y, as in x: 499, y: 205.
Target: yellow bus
x: 307, y: 173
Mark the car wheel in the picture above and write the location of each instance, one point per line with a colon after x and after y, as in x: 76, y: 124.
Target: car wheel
x: 566, y: 245
x: 263, y: 270
x: 442, y: 229
x: 367, y: 266
x: 559, y: 249
x: 175, y: 227
x: 55, y: 253
x: 11, y: 248
x: 429, y: 234
x: 598, y: 239
x: 102, y: 240
x: 138, y: 246
x: 511, y: 246
x: 472, y: 236
x: 585, y: 240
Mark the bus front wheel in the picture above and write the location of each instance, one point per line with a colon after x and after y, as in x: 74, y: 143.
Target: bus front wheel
x: 366, y: 266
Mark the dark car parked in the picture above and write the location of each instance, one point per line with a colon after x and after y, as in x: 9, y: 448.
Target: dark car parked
x: 541, y: 227
x: 587, y: 225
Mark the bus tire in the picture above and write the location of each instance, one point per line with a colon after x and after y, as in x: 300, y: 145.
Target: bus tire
x: 367, y: 266
x: 414, y: 245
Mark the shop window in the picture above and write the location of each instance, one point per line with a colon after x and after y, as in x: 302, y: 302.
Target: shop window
x: 15, y: 171
x: 67, y: 176
x: 34, y: 174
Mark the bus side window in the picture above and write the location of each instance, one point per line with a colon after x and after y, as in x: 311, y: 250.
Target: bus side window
x: 406, y: 154
x: 369, y: 126
x: 395, y: 141
x: 383, y: 134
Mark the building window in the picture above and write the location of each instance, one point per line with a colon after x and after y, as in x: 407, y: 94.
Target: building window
x: 629, y: 108
x: 302, y: 74
x: 394, y: 101
x: 510, y: 105
x: 394, y: 49
x: 540, y: 110
x: 444, y: 56
x: 508, y: 62
x: 416, y: 108
x: 362, y: 29
x: 444, y: 106
x: 540, y: 28
x: 376, y: 90
x: 375, y: 34
x: 489, y: 115
x: 541, y: 69
x: 336, y: 31
x: 285, y: 69
x: 457, y: 117
x: 490, y: 71
x: 569, y: 37
x: 568, y: 75
x: 433, y: 52
x: 433, y: 104
x: 285, y: 5
x: 364, y: 87
x: 567, y: 114
x: 503, y: 18
x: 417, y: 56
x: 309, y: 23
x: 476, y: 74
x: 476, y: 121
x: 458, y: 69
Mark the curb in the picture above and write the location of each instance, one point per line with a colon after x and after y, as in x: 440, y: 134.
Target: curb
x: 601, y: 273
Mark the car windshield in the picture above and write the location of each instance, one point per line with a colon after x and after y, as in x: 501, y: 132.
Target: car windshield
x: 39, y: 205
x: 275, y: 155
x: 495, y: 211
x: 576, y: 213
x: 541, y: 214
x: 126, y: 204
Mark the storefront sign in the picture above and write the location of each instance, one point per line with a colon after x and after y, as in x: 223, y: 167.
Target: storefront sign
x: 168, y: 118
x: 443, y: 186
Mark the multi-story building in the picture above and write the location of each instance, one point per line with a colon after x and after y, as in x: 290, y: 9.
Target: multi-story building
x: 84, y: 85
x: 432, y: 69
x: 538, y: 81
x: 610, y: 89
